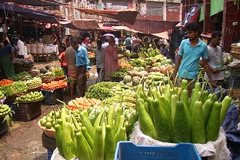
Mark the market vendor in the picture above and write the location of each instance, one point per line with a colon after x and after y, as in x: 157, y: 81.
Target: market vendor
x: 110, y: 59
x: 191, y: 50
x: 6, y: 59
x: 215, y: 59
x: 82, y: 64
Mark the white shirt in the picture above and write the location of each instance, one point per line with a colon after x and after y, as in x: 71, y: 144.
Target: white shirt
x: 104, y: 45
x: 21, y: 48
x: 215, y: 58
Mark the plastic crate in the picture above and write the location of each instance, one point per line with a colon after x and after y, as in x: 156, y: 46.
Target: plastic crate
x: 130, y: 151
x: 27, y: 111
x: 50, y: 98
x: 235, y: 81
x: 235, y: 71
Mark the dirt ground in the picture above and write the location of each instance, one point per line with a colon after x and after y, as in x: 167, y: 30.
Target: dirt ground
x: 23, y: 141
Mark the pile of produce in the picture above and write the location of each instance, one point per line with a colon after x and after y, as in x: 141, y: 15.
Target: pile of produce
x: 1, y: 95
x: 91, y: 55
x: 122, y: 96
x: 58, y: 72
x: 117, y: 74
x: 49, y: 121
x: 47, y: 77
x: 131, y: 81
x: 54, y: 85
x: 15, y: 88
x: 165, y: 69
x: 156, y: 78
x: 83, y: 103
x: 97, y: 135
x: 22, y: 63
x: 123, y: 65
x: 138, y: 63
x: 150, y: 52
x: 21, y: 76
x: 170, y: 115
x: 100, y: 90
x: 34, y: 83
x: 5, y: 82
x: 29, y: 97
x: 4, y: 110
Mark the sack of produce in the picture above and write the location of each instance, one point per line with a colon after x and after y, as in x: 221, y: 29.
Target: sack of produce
x: 216, y: 150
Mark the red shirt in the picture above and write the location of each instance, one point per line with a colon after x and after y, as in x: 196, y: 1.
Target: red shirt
x: 62, y: 57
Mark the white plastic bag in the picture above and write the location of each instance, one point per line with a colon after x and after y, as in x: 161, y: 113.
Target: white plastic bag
x: 216, y: 150
x: 57, y: 156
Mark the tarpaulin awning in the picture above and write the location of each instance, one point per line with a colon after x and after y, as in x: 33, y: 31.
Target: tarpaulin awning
x: 125, y: 28
x: 38, y: 15
x: 151, y: 26
x: 85, y: 24
x: 67, y: 24
x: 162, y: 35
x: 36, y: 2
x: 127, y: 16
x: 107, y: 28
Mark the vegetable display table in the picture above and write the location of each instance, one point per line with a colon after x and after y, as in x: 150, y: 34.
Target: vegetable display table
x: 43, y: 56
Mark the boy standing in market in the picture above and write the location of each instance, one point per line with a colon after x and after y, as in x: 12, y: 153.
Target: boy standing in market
x: 215, y: 58
x: 99, y: 56
x: 82, y: 64
x: 191, y: 50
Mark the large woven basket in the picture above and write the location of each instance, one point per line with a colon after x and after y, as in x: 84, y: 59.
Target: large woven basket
x: 49, y: 132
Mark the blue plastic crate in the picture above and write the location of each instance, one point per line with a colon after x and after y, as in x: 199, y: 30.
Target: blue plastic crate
x: 130, y: 151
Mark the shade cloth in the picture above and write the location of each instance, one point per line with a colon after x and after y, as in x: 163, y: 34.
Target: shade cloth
x: 36, y: 2
x: 38, y: 15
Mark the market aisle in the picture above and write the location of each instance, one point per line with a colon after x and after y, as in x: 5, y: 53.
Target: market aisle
x: 24, y: 139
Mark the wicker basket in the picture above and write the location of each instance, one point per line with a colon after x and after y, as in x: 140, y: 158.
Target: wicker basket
x: 49, y: 132
x: 34, y: 89
x: 19, y: 70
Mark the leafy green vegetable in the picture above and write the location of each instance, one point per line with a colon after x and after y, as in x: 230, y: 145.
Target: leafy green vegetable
x: 21, y: 76
x: 58, y: 72
x: 100, y: 90
x: 16, y: 87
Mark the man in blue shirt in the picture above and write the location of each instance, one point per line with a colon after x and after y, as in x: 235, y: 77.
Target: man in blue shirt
x: 191, y: 50
x: 82, y: 64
